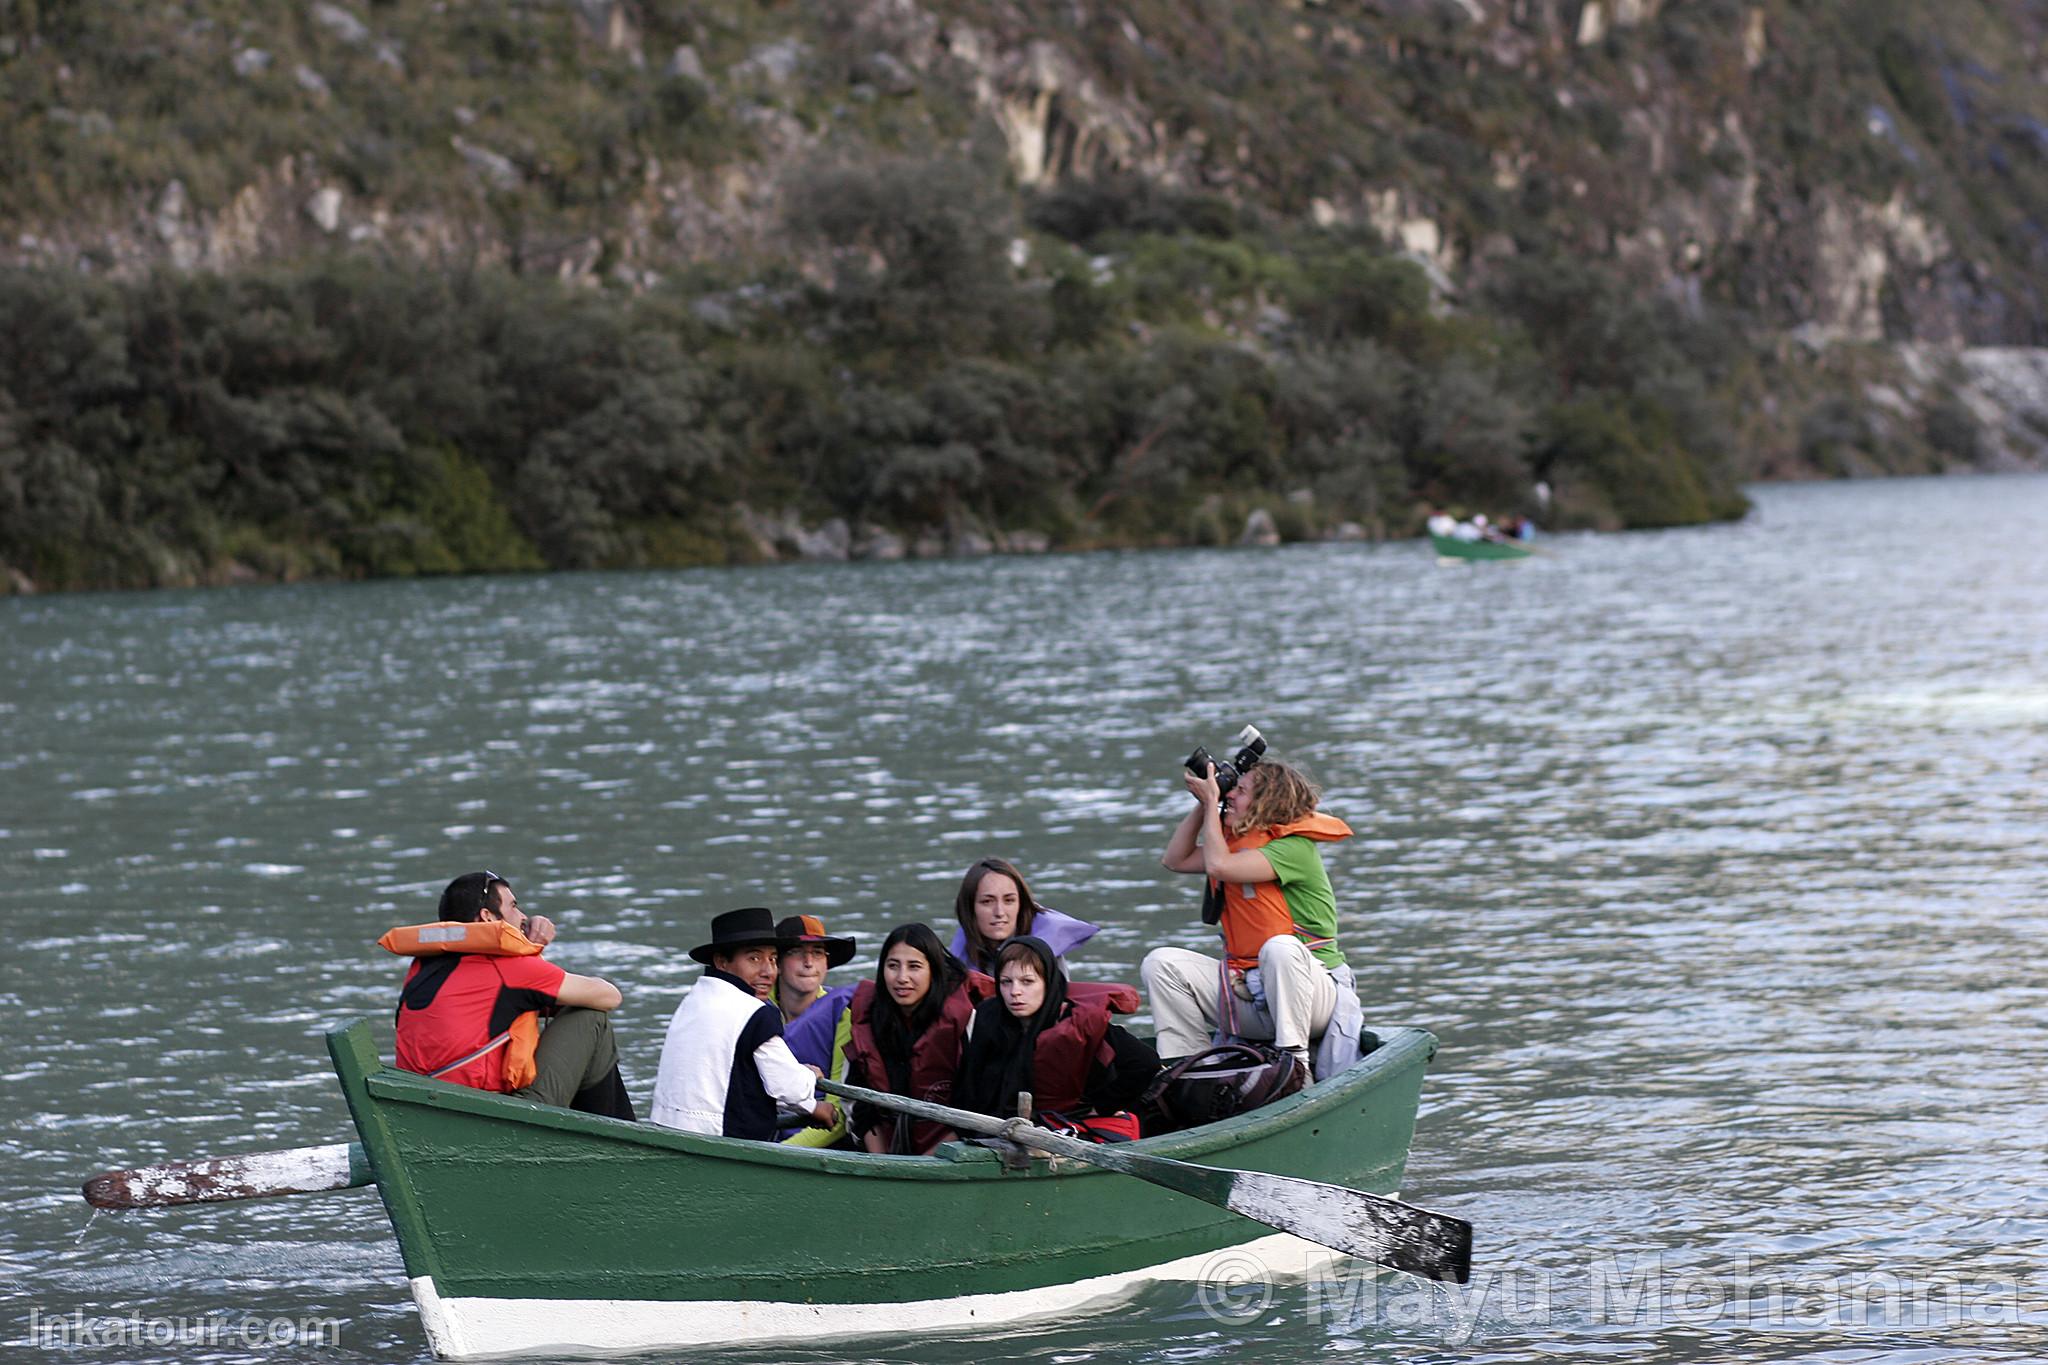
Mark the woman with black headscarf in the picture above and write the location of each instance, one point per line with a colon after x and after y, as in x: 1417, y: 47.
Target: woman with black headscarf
x: 904, y: 1030
x: 1042, y: 1037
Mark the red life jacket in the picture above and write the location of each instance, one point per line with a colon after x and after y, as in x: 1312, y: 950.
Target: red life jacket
x: 480, y: 938
x: 934, y: 1057
x: 1122, y: 1126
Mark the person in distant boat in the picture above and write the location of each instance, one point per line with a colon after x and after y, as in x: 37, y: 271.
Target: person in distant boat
x: 725, y: 1067
x: 904, y: 1030
x: 470, y: 1009
x: 813, y: 1014
x: 1442, y: 524
x: 993, y: 905
x: 1283, y: 976
x: 1052, y: 1040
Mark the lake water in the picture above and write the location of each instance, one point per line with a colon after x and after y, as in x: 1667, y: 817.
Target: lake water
x: 1714, y: 858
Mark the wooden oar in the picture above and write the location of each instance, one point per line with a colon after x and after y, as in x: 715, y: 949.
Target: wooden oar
x: 301, y: 1170
x: 1386, y: 1231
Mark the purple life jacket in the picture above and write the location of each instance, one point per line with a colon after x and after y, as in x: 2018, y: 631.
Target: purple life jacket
x: 1060, y: 932
x: 809, y: 1035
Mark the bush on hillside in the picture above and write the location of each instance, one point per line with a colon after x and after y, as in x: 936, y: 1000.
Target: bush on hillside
x: 1609, y: 454
x: 919, y: 257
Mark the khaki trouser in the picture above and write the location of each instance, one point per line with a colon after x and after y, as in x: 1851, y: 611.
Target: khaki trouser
x: 576, y: 1051
x: 1186, y: 991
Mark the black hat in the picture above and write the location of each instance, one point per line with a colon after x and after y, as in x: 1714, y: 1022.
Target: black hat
x: 753, y: 927
x: 809, y: 929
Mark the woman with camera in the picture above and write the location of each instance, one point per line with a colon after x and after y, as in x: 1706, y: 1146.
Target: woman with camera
x: 995, y: 906
x: 1283, y: 976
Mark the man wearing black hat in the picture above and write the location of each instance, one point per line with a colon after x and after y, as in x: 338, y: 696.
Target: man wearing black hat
x: 725, y: 1066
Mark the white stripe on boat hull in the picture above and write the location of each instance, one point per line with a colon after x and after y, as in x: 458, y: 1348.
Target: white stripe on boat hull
x: 477, y: 1329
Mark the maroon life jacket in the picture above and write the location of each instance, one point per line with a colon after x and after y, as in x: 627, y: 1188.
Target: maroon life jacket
x: 1067, y: 1051
x: 934, y: 1057
x: 1070, y: 1048
x: 1113, y: 996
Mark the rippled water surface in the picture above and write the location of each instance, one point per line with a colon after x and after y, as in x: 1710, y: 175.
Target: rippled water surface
x: 1714, y: 858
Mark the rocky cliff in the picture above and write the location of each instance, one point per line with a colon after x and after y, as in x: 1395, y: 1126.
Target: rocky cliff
x: 1858, y: 188
x: 1869, y: 170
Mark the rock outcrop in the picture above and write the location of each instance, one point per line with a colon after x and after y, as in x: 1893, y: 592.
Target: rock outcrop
x: 2006, y: 389
x: 1667, y: 173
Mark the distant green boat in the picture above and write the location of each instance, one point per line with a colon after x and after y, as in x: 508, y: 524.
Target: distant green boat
x: 526, y: 1229
x: 1450, y: 547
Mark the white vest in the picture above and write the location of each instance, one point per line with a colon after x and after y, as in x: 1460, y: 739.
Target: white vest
x: 702, y: 1069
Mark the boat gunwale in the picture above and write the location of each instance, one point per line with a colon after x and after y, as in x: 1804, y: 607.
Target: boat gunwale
x: 958, y: 1160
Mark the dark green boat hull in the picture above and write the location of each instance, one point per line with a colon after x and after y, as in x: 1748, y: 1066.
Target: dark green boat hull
x: 526, y: 1228
x: 1449, y: 547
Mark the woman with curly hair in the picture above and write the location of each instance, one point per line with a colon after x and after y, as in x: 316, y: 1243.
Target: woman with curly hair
x: 1283, y: 976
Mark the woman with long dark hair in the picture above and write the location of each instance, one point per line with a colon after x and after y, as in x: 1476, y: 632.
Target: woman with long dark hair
x: 994, y: 905
x: 1050, y: 1039
x: 904, y: 1033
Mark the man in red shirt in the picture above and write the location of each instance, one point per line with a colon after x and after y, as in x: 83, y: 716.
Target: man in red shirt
x: 457, y: 1009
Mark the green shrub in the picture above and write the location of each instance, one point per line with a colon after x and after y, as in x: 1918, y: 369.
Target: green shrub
x: 471, y: 528
x: 1954, y: 432
x: 919, y: 252
x: 1607, y: 452
x: 1088, y: 211
x: 1905, y: 74
x: 1836, y: 437
x: 1354, y: 292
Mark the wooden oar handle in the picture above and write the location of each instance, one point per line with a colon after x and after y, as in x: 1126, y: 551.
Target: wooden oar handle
x: 1019, y: 1131
x: 301, y: 1170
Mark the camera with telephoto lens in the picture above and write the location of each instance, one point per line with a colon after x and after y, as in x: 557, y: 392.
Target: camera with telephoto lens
x: 1251, y: 746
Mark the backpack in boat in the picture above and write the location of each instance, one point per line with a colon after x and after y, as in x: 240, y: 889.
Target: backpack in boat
x: 1230, y: 1078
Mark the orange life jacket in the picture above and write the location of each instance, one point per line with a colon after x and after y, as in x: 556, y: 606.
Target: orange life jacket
x: 485, y: 938
x: 1256, y: 911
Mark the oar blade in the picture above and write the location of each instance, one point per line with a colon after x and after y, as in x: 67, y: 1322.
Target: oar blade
x: 1373, y: 1226
x: 257, y: 1175
x: 1386, y: 1231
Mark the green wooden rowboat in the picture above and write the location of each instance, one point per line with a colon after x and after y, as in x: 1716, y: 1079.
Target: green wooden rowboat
x: 526, y: 1229
x: 1450, y: 547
